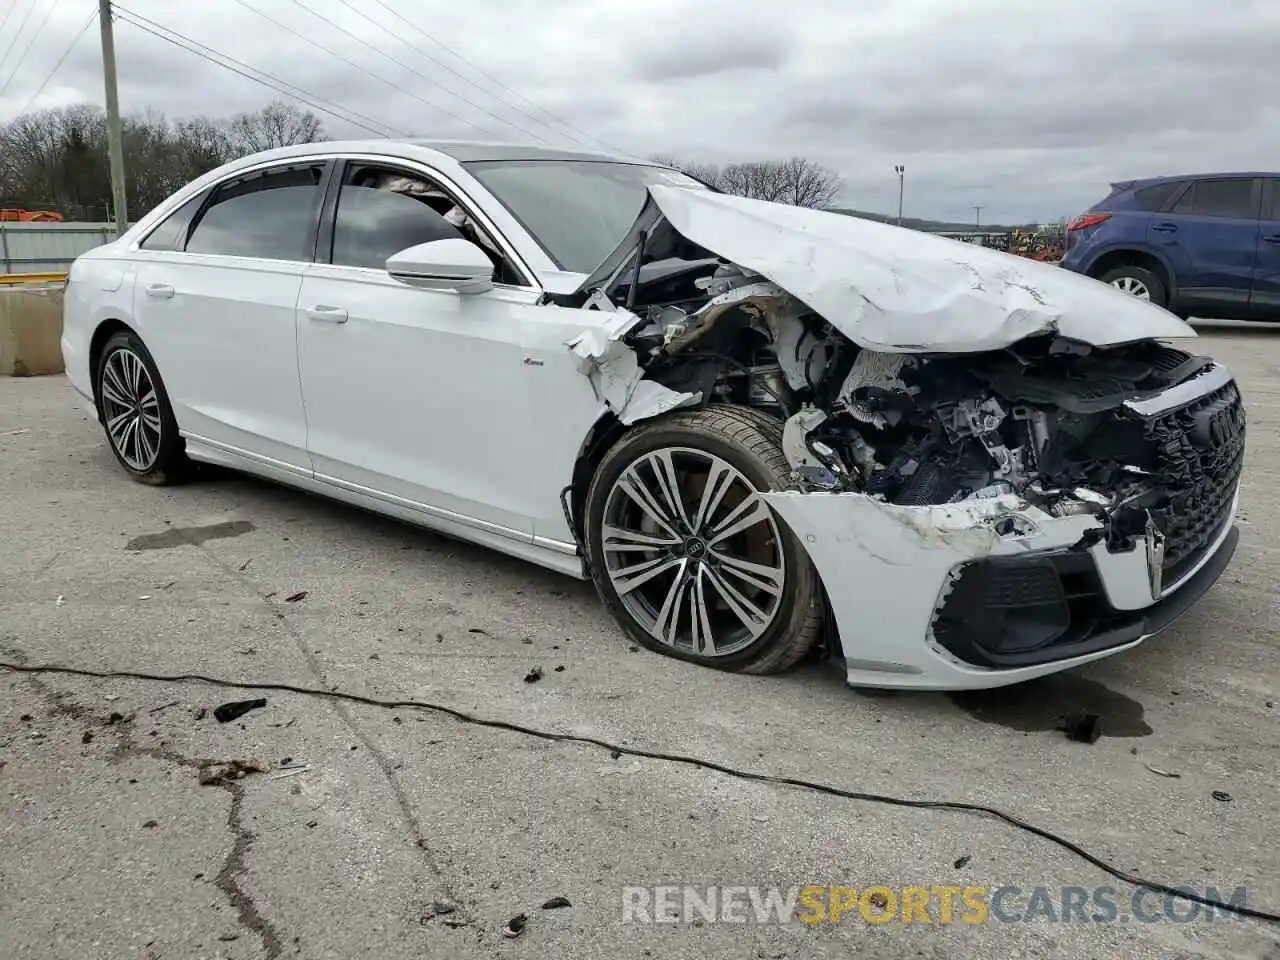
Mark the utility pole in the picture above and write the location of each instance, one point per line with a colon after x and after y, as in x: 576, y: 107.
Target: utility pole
x: 900, y: 170
x: 115, y: 140
x: 977, y: 216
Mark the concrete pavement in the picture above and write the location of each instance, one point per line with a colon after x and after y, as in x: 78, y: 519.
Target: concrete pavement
x: 110, y: 846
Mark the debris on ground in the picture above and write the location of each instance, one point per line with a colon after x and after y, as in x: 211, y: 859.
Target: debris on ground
x: 437, y: 909
x: 295, y: 597
x: 533, y: 676
x: 164, y: 706
x: 1162, y: 773
x: 150, y: 825
x: 245, y: 566
x: 560, y: 669
x: 515, y: 926
x: 1083, y: 727
x: 60, y: 601
x: 145, y: 596
x: 115, y: 717
x: 1222, y: 796
x: 482, y: 632
x: 962, y: 861
x: 291, y: 772
x: 87, y: 737
x: 238, y: 708
x: 212, y: 774
x: 878, y: 900
x: 555, y: 903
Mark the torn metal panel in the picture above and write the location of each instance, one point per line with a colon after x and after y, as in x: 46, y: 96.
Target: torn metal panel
x: 897, y: 290
x: 615, y: 374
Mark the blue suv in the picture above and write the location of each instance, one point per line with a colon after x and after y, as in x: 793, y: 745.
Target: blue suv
x: 1205, y: 245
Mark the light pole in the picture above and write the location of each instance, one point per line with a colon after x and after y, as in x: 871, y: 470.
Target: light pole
x: 977, y: 216
x: 900, y: 170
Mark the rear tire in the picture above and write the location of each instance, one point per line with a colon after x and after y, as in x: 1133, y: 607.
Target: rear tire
x: 1138, y: 282
x: 135, y: 412
x: 676, y: 576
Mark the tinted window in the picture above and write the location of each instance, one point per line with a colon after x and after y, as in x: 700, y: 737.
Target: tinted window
x: 579, y: 210
x: 1155, y: 197
x: 173, y: 229
x: 371, y: 224
x: 1218, y: 198
x: 1271, y: 210
x: 262, y: 215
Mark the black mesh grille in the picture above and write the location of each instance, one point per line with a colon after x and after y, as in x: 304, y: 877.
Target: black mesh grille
x: 1200, y: 455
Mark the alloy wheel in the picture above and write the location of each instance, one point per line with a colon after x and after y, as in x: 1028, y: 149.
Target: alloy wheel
x: 1132, y: 286
x: 131, y: 410
x: 693, y: 551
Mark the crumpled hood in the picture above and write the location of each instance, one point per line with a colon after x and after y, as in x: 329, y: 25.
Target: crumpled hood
x: 896, y: 290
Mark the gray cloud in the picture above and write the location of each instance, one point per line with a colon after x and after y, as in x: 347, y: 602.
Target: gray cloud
x: 1028, y: 109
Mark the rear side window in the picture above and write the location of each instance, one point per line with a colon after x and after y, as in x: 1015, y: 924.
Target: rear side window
x: 267, y: 214
x: 172, y: 232
x: 1218, y: 198
x: 1157, y: 196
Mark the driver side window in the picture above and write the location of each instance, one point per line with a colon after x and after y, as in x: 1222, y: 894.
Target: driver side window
x: 382, y: 211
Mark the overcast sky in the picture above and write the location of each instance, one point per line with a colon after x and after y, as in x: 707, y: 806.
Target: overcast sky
x: 1026, y: 107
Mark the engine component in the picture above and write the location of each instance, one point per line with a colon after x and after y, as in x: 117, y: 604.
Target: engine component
x: 874, y: 391
x: 815, y: 464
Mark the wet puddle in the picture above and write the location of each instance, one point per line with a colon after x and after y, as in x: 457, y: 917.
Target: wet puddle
x: 189, y: 536
x: 1040, y: 705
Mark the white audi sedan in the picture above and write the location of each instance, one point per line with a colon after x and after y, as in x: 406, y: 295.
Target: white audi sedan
x: 762, y: 431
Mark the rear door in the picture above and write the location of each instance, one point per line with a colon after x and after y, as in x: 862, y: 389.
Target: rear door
x: 217, y: 302
x: 1212, y: 233
x: 1265, y: 302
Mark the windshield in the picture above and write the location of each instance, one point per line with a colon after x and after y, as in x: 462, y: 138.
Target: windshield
x: 579, y: 210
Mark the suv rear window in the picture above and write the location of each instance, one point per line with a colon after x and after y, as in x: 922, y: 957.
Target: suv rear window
x: 1218, y: 198
x: 1155, y: 197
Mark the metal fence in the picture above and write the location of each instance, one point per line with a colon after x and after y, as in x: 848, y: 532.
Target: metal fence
x: 48, y: 247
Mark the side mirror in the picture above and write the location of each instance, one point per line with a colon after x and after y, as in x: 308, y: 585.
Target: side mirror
x: 453, y: 264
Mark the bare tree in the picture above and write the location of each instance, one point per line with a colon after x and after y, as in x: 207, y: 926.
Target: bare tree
x: 798, y: 181
x: 278, y: 124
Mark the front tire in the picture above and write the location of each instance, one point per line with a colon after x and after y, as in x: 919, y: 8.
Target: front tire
x: 1138, y: 282
x: 687, y: 556
x: 135, y: 412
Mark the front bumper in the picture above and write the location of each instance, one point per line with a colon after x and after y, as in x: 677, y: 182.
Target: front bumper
x: 910, y: 614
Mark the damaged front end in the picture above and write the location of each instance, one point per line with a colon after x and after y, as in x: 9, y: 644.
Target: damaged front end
x: 980, y: 512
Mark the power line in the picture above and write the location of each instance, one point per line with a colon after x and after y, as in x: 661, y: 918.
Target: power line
x: 436, y: 60
x: 62, y: 59
x: 30, y: 43
x: 5, y: 19
x: 365, y: 70
x: 419, y: 73
x: 312, y: 100
x: 490, y: 77
x: 17, y: 33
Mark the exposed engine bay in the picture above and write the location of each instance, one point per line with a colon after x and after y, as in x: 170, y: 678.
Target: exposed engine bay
x: 1045, y: 419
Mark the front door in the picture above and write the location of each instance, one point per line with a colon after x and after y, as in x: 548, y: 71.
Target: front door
x: 415, y: 395
x: 219, y: 304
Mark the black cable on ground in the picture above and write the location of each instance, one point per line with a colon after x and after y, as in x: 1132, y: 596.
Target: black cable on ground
x: 618, y: 749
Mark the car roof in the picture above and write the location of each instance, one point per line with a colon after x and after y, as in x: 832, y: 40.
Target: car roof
x: 460, y: 151
x: 1177, y: 178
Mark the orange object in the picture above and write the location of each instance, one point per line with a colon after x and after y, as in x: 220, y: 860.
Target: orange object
x: 30, y: 216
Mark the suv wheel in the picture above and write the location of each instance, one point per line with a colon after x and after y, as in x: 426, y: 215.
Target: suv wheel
x: 1137, y: 282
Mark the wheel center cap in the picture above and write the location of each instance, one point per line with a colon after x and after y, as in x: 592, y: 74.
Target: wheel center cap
x: 694, y: 548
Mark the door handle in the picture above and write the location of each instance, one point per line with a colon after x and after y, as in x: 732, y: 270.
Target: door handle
x: 161, y: 291
x: 327, y: 314
x: 1166, y: 227
x: 1272, y: 238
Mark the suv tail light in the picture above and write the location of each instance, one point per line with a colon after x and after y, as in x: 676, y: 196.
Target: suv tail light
x: 1086, y: 220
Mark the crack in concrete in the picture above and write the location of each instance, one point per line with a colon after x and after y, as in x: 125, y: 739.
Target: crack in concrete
x: 314, y: 666
x: 242, y: 838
